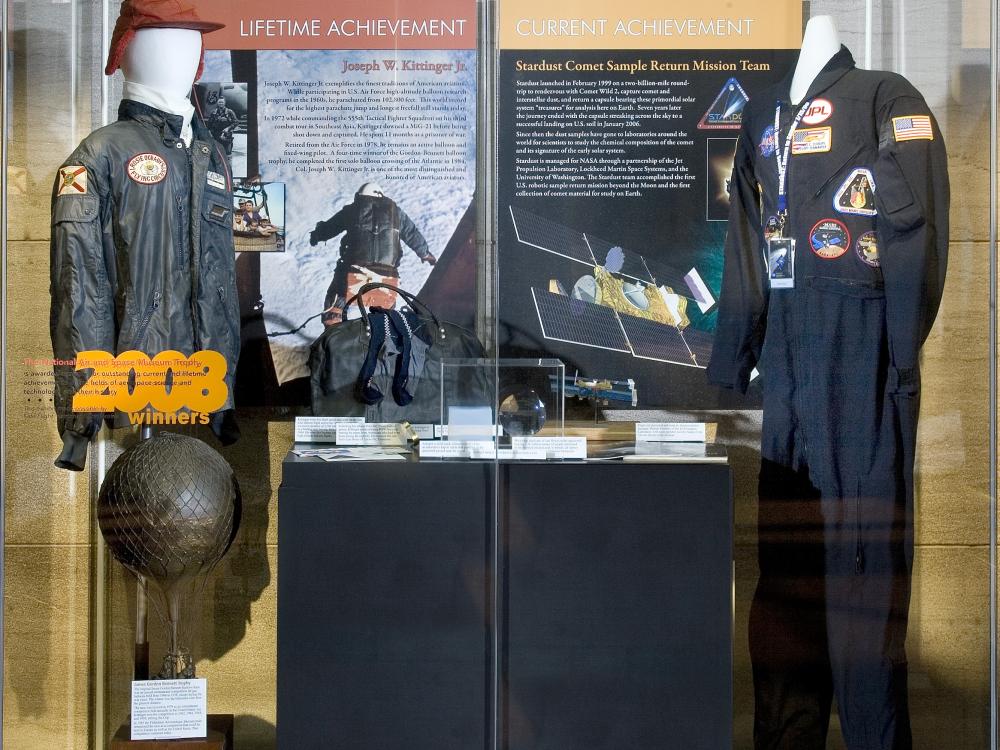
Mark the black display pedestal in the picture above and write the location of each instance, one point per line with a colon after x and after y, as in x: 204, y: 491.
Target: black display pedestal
x: 615, y: 598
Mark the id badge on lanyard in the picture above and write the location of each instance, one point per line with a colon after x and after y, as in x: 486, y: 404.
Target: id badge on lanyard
x: 780, y: 255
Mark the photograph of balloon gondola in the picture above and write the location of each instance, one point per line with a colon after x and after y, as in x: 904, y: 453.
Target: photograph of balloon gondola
x: 259, y: 216
x: 615, y: 299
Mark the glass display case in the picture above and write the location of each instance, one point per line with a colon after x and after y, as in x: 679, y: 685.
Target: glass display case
x: 583, y: 344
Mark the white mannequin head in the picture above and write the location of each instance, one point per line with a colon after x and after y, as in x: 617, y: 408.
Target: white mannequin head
x: 165, y: 60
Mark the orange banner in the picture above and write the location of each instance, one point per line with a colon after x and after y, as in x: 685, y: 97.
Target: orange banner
x: 344, y: 24
x: 650, y: 24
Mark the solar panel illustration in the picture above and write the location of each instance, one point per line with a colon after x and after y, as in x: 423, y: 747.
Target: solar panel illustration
x: 652, y: 340
x: 551, y: 237
x: 578, y: 321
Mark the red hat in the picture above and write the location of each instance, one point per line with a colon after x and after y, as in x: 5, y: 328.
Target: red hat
x: 150, y: 14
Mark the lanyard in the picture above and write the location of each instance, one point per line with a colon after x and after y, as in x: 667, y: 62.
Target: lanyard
x: 783, y: 156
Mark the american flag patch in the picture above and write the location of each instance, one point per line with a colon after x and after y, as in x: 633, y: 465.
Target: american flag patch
x: 912, y: 128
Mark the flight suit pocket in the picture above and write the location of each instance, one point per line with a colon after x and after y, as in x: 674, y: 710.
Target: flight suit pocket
x: 894, y: 198
x: 847, y: 287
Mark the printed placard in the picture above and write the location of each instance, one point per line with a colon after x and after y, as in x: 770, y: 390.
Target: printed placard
x: 378, y: 433
x: 482, y: 449
x: 670, y: 432
x: 553, y: 447
x: 321, y: 429
x: 169, y: 709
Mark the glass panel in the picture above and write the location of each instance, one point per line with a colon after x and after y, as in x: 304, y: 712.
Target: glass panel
x: 559, y: 204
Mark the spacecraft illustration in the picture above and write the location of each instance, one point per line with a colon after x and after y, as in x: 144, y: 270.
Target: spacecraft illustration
x: 624, y: 303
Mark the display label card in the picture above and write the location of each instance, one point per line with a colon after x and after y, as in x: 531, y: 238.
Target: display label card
x: 378, y: 433
x: 482, y: 449
x: 321, y: 429
x: 509, y: 454
x: 425, y: 431
x: 553, y: 447
x: 169, y: 709
x: 670, y: 432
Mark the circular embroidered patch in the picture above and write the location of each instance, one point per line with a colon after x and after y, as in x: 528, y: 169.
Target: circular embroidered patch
x: 819, y: 111
x: 771, y: 227
x: 867, y: 247
x: 768, y: 142
x: 147, y: 169
x: 829, y: 239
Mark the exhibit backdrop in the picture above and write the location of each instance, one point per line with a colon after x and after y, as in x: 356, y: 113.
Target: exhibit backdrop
x: 338, y: 97
x: 616, y: 136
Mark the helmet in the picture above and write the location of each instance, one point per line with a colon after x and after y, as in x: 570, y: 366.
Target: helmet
x: 371, y: 189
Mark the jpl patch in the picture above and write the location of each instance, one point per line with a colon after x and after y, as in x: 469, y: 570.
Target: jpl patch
x: 812, y: 141
x: 912, y: 128
x: 819, y: 111
x: 147, y: 169
x: 768, y: 142
x: 857, y: 194
x: 216, y: 180
x: 72, y: 181
x: 867, y: 247
x: 829, y: 239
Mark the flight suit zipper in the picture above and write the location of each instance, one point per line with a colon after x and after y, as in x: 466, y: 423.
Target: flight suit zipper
x: 835, y: 174
x: 859, y: 562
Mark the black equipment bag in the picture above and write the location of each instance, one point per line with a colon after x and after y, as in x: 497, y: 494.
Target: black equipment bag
x: 337, y: 356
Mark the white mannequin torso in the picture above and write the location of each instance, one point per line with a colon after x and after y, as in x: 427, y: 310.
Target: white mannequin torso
x: 819, y: 43
x: 159, y: 67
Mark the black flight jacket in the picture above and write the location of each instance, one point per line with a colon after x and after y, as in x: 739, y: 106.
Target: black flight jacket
x: 141, y: 257
x: 868, y: 201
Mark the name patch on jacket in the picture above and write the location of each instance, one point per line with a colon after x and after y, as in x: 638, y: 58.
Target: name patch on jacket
x: 72, y: 180
x: 216, y: 180
x: 912, y: 128
x: 147, y: 169
x: 812, y: 141
x: 857, y: 194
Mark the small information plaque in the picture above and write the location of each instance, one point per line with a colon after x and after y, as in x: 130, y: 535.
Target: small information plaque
x: 483, y: 449
x: 321, y: 429
x: 553, y: 447
x: 169, y: 709
x: 379, y: 433
x: 670, y: 432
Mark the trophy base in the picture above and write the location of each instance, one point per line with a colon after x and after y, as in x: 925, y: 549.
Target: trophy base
x: 220, y: 737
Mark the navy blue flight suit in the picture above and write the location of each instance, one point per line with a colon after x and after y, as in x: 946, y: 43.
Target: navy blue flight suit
x: 868, y: 207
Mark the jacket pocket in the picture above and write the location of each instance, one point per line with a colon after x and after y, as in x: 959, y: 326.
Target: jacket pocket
x: 74, y: 219
x: 893, y: 196
x: 858, y: 288
x: 217, y: 213
x: 75, y: 208
x: 874, y: 525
